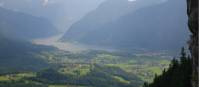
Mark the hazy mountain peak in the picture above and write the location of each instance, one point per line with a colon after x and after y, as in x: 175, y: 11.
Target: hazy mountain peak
x: 62, y: 13
x: 114, y: 23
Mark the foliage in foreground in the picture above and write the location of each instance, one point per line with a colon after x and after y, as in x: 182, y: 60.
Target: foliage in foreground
x: 178, y: 74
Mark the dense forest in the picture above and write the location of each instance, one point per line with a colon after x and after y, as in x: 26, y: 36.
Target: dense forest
x: 183, y: 72
x: 179, y: 73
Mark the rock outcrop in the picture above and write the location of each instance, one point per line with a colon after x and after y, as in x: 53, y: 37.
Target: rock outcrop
x: 193, y: 23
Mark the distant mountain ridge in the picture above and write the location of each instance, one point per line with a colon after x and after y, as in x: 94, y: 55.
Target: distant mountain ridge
x: 167, y: 21
x: 62, y: 13
x: 17, y: 54
x: 23, y: 26
x: 107, y: 12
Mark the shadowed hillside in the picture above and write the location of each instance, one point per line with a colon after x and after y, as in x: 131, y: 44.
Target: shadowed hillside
x: 160, y: 25
x: 18, y: 25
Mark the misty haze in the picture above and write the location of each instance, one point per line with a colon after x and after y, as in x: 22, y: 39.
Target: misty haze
x: 91, y: 43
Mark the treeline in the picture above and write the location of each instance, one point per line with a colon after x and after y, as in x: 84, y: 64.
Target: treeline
x: 99, y: 76
x: 21, y: 83
x: 179, y: 73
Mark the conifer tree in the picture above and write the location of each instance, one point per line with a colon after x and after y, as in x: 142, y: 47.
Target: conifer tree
x: 177, y: 75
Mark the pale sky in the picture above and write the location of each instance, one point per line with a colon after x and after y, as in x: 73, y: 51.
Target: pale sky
x: 131, y: 0
x: 45, y: 2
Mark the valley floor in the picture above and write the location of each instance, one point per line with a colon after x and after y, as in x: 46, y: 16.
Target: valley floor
x: 90, y: 68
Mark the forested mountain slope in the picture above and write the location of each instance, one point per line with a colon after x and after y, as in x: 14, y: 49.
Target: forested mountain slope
x: 179, y: 73
x: 19, y: 25
x: 107, y: 12
x: 152, y: 27
x: 19, y: 56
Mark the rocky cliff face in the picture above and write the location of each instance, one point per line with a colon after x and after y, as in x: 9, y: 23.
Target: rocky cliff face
x: 193, y: 23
